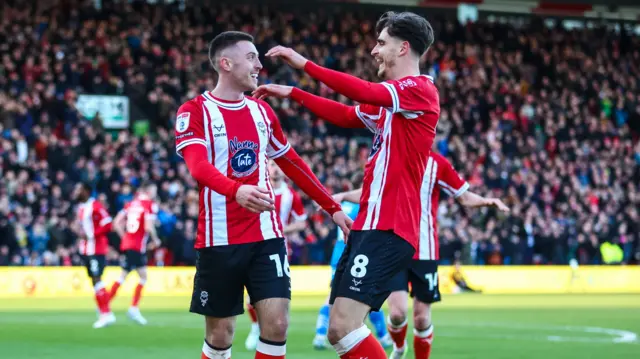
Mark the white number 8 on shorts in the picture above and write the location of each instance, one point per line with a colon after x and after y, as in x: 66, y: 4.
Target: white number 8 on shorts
x: 359, y: 268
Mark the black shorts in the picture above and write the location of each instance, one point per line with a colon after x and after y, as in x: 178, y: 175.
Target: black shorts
x: 133, y: 260
x: 223, y: 272
x: 423, y: 277
x: 369, y: 261
x: 95, y: 265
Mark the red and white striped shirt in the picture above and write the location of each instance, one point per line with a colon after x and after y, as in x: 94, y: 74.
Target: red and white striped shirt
x: 439, y: 175
x: 240, y: 137
x: 394, y: 174
x: 289, y: 204
x: 95, y: 222
x: 136, y: 213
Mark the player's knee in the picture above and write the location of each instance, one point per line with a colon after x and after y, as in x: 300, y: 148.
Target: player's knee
x: 398, y: 314
x: 336, y: 331
x: 275, y: 329
x: 422, y: 317
x: 219, y: 333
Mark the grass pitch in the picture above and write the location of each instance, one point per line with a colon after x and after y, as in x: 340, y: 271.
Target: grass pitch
x: 466, y: 326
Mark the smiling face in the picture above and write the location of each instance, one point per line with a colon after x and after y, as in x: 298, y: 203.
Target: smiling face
x: 241, y: 62
x: 386, y: 53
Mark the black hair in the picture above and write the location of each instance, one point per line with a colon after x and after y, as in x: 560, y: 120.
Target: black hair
x: 224, y: 40
x: 86, y: 186
x: 409, y: 27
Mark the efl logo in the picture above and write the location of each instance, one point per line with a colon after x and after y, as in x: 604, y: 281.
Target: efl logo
x: 407, y: 83
x: 182, y: 121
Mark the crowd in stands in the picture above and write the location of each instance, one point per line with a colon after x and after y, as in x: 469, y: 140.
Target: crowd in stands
x: 546, y: 118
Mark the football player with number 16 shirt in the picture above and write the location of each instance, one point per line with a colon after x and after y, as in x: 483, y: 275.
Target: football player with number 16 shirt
x: 227, y: 139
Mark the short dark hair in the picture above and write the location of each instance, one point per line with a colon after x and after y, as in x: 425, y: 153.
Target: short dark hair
x: 409, y: 27
x: 86, y: 186
x: 224, y: 40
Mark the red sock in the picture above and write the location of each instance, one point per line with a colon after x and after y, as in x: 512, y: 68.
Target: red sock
x: 252, y: 313
x: 114, y: 290
x: 137, y: 294
x: 369, y: 348
x: 102, y: 298
x: 209, y: 352
x: 422, y: 341
x: 398, y: 333
x: 270, y: 350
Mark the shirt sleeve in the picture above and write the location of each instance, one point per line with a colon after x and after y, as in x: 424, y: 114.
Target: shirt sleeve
x: 413, y: 95
x: 100, y: 214
x: 278, y: 143
x: 450, y: 180
x: 297, y: 208
x: 189, y: 127
x: 369, y: 115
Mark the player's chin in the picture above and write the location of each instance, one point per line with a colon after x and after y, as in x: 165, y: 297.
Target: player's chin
x: 252, y: 84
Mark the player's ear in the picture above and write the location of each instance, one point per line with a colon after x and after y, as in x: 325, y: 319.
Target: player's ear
x: 225, y: 63
x: 405, y: 48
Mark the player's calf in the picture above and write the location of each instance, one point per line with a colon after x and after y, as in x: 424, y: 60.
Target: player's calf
x: 397, y: 323
x: 423, y: 330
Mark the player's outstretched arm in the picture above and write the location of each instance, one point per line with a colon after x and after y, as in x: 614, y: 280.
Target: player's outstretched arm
x: 338, y: 114
x: 472, y: 200
x: 118, y: 223
x: 299, y: 172
x: 371, y: 93
x: 252, y: 198
x: 352, y: 196
x: 295, y: 226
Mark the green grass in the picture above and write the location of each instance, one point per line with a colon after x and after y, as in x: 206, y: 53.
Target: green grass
x: 466, y: 326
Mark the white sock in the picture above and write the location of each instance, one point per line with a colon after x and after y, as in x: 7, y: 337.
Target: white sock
x: 212, y: 353
x: 344, y: 345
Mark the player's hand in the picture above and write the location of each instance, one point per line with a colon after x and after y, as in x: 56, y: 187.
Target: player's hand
x: 289, y: 55
x: 279, y: 91
x: 344, y: 222
x: 254, y: 198
x: 495, y: 202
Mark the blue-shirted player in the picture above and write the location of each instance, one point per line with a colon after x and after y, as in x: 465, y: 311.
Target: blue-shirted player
x: 349, y: 201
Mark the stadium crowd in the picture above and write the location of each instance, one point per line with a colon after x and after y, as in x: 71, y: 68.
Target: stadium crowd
x: 545, y: 118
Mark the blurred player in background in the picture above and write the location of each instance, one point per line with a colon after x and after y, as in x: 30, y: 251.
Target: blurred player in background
x: 422, y: 275
x: 226, y: 140
x: 94, y: 223
x: 403, y: 113
x: 135, y: 224
x: 293, y: 216
x: 349, y: 202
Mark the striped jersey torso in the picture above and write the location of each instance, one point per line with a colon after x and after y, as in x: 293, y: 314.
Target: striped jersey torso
x: 240, y: 137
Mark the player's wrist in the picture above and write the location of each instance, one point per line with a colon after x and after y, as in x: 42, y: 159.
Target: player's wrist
x: 233, y: 191
x: 309, y: 66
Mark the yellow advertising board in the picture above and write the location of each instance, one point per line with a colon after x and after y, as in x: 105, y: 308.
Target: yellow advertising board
x: 23, y: 282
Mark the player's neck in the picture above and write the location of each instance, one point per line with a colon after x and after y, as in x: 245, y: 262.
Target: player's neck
x: 226, y: 90
x: 404, y: 70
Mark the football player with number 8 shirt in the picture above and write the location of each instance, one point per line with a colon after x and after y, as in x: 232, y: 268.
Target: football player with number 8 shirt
x: 94, y: 222
x: 227, y: 139
x: 422, y: 274
x: 403, y: 111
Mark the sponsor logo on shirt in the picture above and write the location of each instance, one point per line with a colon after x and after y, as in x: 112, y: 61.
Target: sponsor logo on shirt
x: 244, y: 155
x: 184, y: 135
x: 407, y: 83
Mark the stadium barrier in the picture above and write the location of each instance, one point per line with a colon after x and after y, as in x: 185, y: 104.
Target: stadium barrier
x: 22, y: 282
